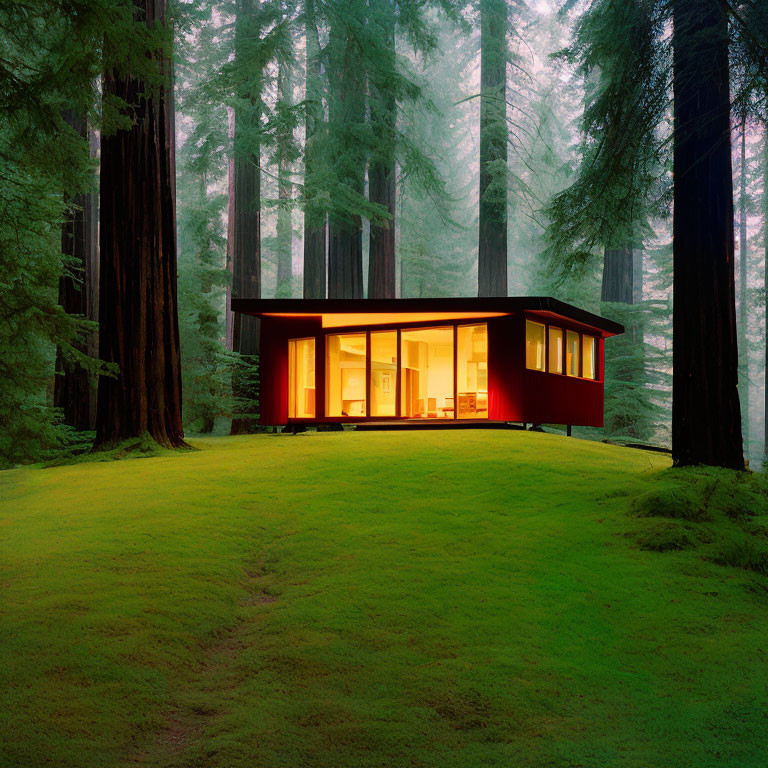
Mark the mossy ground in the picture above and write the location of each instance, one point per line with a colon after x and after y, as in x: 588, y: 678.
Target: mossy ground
x: 469, y: 598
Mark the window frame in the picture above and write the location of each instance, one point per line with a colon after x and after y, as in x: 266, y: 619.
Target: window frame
x: 291, y: 385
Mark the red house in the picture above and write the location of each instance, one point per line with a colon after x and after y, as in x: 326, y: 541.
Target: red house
x: 534, y: 360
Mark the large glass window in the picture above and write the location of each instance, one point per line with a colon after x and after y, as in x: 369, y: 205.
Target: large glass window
x: 345, y: 375
x: 589, y: 359
x: 555, y: 350
x: 383, y: 373
x: 426, y: 363
x: 472, y: 371
x: 572, y: 353
x: 301, y: 378
x: 534, y: 345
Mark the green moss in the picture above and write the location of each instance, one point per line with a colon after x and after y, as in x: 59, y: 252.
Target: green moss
x: 747, y: 553
x: 667, y: 536
x: 469, y: 598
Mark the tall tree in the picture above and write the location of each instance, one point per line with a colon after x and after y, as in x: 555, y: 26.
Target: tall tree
x: 765, y: 289
x: 348, y: 155
x: 706, y: 418
x: 286, y: 154
x: 72, y: 384
x: 492, y: 246
x: 138, y: 312
x: 381, y: 170
x: 244, y: 231
x: 743, y: 298
x: 314, y: 208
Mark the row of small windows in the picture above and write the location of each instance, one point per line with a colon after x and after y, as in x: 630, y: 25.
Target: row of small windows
x: 548, y: 348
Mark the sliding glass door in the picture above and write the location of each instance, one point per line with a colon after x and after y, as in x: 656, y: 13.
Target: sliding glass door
x: 426, y: 363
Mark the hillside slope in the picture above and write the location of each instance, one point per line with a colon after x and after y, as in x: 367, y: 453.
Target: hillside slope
x: 469, y: 598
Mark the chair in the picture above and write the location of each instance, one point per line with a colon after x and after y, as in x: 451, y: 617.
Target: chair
x: 432, y: 407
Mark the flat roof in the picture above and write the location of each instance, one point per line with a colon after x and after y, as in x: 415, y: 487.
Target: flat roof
x: 462, y: 306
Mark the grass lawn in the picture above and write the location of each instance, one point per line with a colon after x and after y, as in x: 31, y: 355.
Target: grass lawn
x: 448, y: 598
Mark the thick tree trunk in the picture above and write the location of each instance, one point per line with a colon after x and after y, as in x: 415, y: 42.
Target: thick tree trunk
x: 492, y: 246
x: 138, y: 310
x: 245, y: 224
x: 314, y: 211
x: 743, y: 300
x: 347, y: 115
x: 706, y: 418
x: 72, y: 385
x: 381, y: 171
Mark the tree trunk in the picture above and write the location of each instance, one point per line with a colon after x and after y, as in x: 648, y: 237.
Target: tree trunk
x: 245, y: 224
x: 347, y: 115
x: 72, y: 386
x: 765, y: 288
x: 743, y: 299
x: 492, y: 246
x: 706, y: 418
x: 314, y: 211
x: 138, y: 309
x: 618, y: 275
x: 284, y: 224
x: 381, y: 171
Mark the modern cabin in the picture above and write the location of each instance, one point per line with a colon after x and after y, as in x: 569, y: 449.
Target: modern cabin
x: 529, y: 359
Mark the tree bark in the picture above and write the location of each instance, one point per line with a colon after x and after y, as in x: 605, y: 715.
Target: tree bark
x: 244, y: 230
x: 347, y: 115
x: 382, y: 171
x: 618, y: 275
x: 492, y: 245
x: 314, y: 212
x: 72, y: 385
x: 743, y: 261
x: 706, y: 418
x: 138, y: 308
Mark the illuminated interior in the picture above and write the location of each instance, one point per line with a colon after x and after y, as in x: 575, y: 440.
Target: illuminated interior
x: 472, y: 371
x: 535, y: 345
x: 555, y: 350
x: 345, y: 375
x: 589, y: 346
x: 301, y: 378
x: 572, y: 353
x: 383, y: 373
x: 426, y: 361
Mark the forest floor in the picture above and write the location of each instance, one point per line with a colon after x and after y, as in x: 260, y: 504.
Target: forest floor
x: 430, y: 599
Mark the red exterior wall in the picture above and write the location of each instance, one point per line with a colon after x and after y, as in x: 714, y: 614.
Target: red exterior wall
x: 506, y: 348
x: 514, y: 392
x: 273, y: 364
x: 554, y: 398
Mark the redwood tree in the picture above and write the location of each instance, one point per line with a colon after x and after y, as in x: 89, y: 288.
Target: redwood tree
x: 138, y: 316
x: 314, y: 210
x: 492, y: 246
x: 381, y: 170
x: 72, y: 384
x: 244, y: 231
x: 706, y: 418
x: 346, y: 85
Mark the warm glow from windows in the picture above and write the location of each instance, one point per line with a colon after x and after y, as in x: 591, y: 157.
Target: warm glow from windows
x: 301, y: 378
x: 427, y: 373
x: 589, y: 346
x: 555, y: 350
x: 572, y: 353
x: 383, y: 373
x: 472, y: 371
x: 345, y: 319
x: 345, y: 375
x: 535, y: 334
